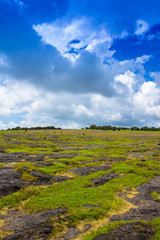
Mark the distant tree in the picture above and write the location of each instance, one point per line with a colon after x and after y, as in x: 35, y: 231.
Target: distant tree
x: 93, y: 127
x: 17, y: 128
x: 145, y: 128
x: 134, y: 128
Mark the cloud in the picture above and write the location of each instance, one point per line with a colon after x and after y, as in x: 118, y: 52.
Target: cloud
x: 46, y: 68
x: 72, y: 79
x: 142, y: 27
x: 143, y: 59
x: 38, y: 107
x: 128, y: 79
x: 19, y: 3
x: 2, y: 125
x: 156, y: 77
x: 147, y: 100
x: 13, y: 99
x: 70, y: 38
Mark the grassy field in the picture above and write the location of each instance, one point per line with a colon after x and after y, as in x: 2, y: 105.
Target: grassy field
x: 96, y: 172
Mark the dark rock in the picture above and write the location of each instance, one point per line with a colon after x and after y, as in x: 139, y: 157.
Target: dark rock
x: 56, y: 150
x: 91, y: 206
x: 129, y: 231
x: 148, y: 212
x: 39, y: 232
x: 17, y: 157
x: 6, y: 168
x: 11, y: 157
x: 64, y: 155
x: 47, y: 179
x: 74, y: 232
x: 2, y: 150
x: 105, y: 178
x: 148, y: 207
x: 41, y: 176
x: 10, y: 182
x: 43, y: 164
x: 60, y: 179
x: 25, y: 168
x: 82, y: 171
x: 32, y: 226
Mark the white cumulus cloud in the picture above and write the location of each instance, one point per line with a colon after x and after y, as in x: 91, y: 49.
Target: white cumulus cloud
x: 128, y: 79
x: 72, y: 37
x: 142, y: 27
x: 147, y: 99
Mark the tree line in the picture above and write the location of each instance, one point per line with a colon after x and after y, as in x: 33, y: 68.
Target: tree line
x: 106, y: 127
x: 35, y: 128
x: 114, y: 128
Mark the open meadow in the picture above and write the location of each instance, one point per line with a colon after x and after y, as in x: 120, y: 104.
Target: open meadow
x: 79, y: 184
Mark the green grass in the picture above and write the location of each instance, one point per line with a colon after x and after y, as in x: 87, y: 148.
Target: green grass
x: 155, y: 195
x: 74, y: 194
x: 156, y: 224
x: 50, y: 170
x: 105, y: 229
x: 54, y: 169
x: 28, y: 177
x: 14, y: 199
x: 79, y: 191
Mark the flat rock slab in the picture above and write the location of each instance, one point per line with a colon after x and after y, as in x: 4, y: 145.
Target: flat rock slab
x: 148, y: 208
x: 140, y: 154
x: 10, y: 181
x: 41, y: 176
x: 91, y: 206
x: 60, y: 179
x: 147, y: 212
x: 74, y: 232
x: 105, y: 178
x: 129, y: 231
x: 17, y: 157
x: 108, y: 160
x: 152, y: 186
x: 45, y: 179
x: 64, y: 155
x: 31, y: 226
x: 83, y: 171
x: 43, y: 164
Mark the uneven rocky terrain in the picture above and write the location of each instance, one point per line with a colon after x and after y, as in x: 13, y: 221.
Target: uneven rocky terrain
x: 63, y: 185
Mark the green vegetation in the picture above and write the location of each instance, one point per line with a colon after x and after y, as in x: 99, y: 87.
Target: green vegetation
x: 113, y: 128
x: 155, y: 195
x: 133, y: 156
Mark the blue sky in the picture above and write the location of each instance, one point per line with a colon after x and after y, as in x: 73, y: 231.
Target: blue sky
x: 73, y: 63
